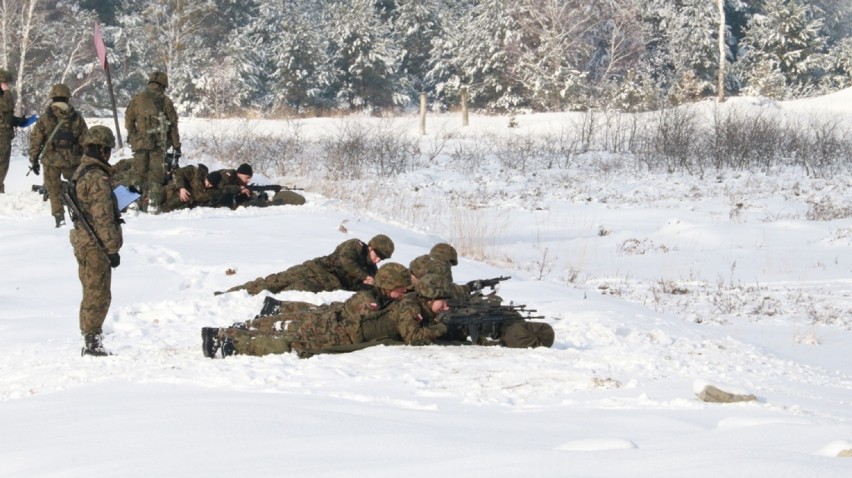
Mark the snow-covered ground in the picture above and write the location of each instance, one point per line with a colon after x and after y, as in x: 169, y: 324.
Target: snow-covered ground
x: 656, y: 285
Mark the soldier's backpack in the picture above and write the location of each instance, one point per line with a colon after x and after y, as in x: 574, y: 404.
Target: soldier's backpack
x: 151, y: 124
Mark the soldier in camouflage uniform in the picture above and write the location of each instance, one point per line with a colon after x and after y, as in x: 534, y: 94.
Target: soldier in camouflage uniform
x: 152, y: 128
x: 191, y: 186
x: 516, y: 332
x: 58, y: 138
x: 351, y: 266
x: 7, y: 126
x: 95, y: 261
x: 364, y: 320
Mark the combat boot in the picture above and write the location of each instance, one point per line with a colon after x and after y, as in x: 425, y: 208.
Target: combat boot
x: 60, y: 220
x: 210, y: 341
x: 93, y: 345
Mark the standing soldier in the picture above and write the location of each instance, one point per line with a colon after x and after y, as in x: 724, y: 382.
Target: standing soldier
x: 152, y: 128
x: 96, y: 243
x: 7, y: 126
x: 57, y: 139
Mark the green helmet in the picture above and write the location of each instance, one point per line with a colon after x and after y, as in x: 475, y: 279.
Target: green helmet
x: 433, y: 286
x: 445, y: 252
x: 426, y: 264
x: 383, y: 245
x: 60, y: 90
x: 160, y: 78
x: 393, y: 275
x: 100, y: 135
x: 5, y: 76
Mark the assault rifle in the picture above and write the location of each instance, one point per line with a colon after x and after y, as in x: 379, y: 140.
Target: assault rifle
x: 477, y: 285
x: 69, y: 197
x: 39, y: 188
x: 482, y: 319
x: 261, y: 192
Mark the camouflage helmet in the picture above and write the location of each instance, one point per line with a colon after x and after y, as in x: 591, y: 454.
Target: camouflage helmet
x: 393, y: 275
x: 383, y: 245
x: 445, y: 252
x: 434, y: 286
x: 426, y: 264
x: 5, y: 76
x: 100, y: 135
x: 160, y: 78
x: 60, y: 90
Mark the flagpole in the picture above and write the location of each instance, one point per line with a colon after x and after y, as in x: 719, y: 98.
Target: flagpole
x: 112, y: 100
x: 100, y: 48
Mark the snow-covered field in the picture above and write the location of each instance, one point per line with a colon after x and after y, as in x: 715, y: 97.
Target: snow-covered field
x: 656, y: 285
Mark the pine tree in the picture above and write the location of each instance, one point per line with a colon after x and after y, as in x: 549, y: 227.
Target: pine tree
x: 785, y: 43
x: 416, y: 26
x: 363, y: 54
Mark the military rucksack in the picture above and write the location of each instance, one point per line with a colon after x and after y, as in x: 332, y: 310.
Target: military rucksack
x: 152, y: 126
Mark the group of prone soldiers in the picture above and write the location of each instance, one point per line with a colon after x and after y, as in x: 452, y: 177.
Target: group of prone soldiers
x: 196, y: 186
x: 392, y: 305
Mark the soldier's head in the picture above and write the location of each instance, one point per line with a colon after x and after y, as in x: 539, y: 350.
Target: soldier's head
x: 426, y: 264
x: 381, y: 248
x: 212, y: 180
x: 98, y: 142
x: 393, y: 280
x: 445, y: 252
x: 244, y: 174
x: 5, y: 76
x: 159, y: 78
x: 435, y: 289
x: 60, y: 93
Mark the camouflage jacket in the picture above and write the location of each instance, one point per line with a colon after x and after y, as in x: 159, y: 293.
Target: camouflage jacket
x: 66, y: 146
x: 7, y: 112
x: 409, y: 319
x: 190, y: 178
x: 98, y: 203
x: 142, y: 121
x: 350, y: 263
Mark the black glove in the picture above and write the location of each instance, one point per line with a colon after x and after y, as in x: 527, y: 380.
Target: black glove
x: 177, y: 153
x: 114, y: 260
x: 35, y: 167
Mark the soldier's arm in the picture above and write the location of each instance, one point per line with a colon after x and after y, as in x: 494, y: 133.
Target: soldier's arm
x: 130, y: 118
x: 171, y: 115
x: 37, y: 138
x: 351, y: 262
x: 102, y: 209
x: 409, y: 322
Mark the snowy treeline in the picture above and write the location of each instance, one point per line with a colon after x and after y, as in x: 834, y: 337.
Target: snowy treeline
x: 272, y: 57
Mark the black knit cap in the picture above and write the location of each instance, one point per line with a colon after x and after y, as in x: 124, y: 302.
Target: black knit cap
x: 245, y: 168
x: 214, y: 178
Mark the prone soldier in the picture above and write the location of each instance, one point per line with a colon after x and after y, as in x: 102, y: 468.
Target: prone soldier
x: 351, y: 266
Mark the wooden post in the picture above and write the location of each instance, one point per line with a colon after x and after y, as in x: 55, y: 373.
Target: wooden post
x: 465, y: 121
x: 422, y: 113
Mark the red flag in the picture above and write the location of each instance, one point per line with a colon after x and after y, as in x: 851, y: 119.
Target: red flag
x: 100, y: 47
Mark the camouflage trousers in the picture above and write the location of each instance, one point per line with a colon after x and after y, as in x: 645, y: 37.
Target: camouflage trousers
x: 53, y: 174
x: 148, y: 171
x: 302, y: 332
x: 309, y: 277
x: 5, y: 154
x: 96, y: 277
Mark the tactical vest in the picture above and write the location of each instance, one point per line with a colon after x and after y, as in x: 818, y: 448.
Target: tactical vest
x: 61, y: 135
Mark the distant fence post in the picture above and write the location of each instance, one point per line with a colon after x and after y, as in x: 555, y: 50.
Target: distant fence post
x: 465, y: 121
x: 422, y: 113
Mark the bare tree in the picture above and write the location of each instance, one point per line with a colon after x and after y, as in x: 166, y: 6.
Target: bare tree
x: 30, y: 19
